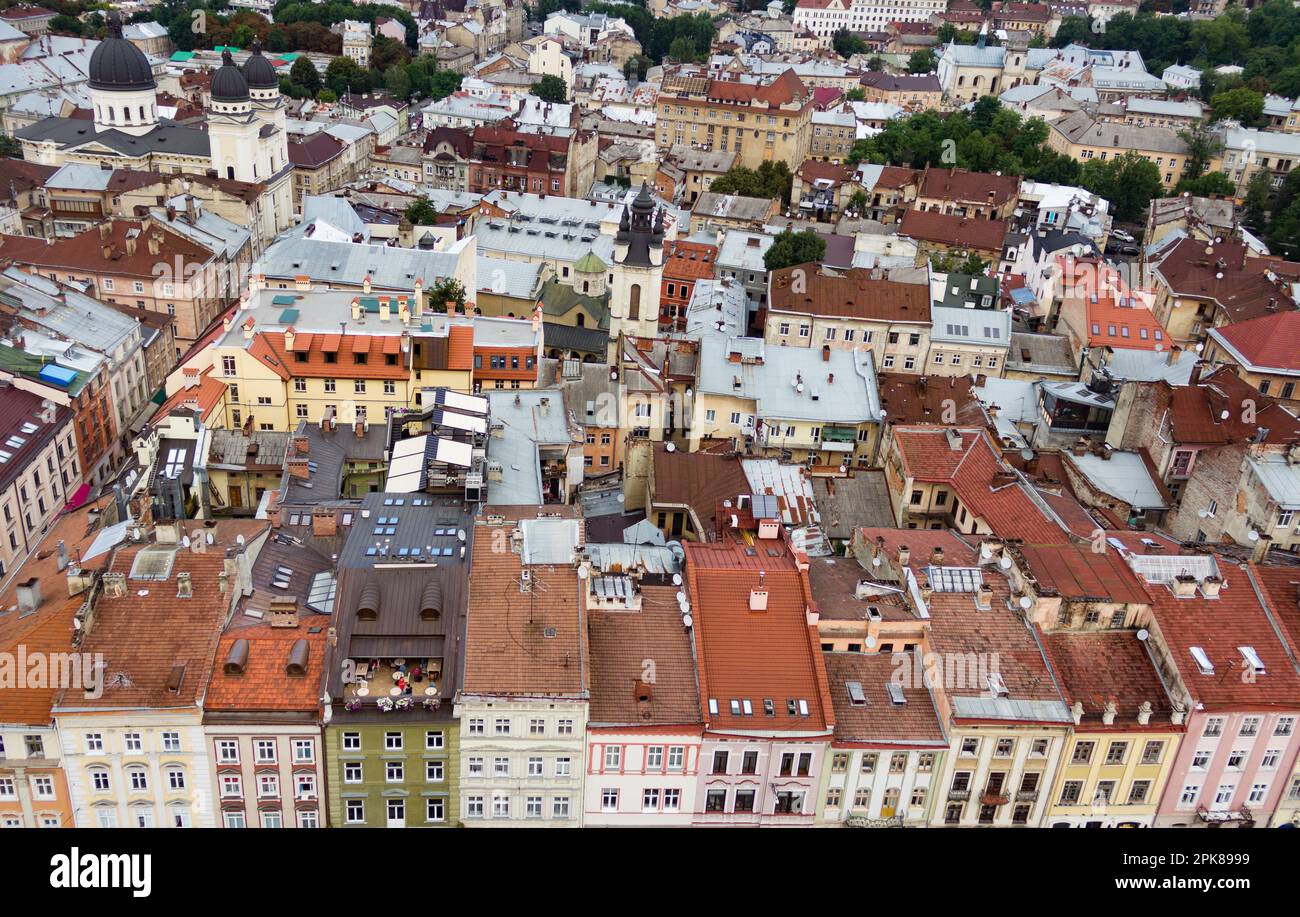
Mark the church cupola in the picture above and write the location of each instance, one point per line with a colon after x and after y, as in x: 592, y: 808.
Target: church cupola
x: 122, y: 86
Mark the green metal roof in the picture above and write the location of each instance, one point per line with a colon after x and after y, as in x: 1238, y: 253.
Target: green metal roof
x: 590, y: 263
x: 181, y: 56
x: 288, y: 316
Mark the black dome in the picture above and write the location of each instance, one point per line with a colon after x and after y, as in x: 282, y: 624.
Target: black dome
x: 228, y: 84
x: 258, y: 70
x: 116, y: 64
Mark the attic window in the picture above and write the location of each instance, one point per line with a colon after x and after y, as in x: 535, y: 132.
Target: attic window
x: 1252, y: 659
x: 296, y: 667
x: 769, y: 707
x: 237, y: 658
x: 857, y: 697
x: 735, y: 707
x: 713, y: 706
x: 1202, y: 660
x: 803, y: 707
x: 997, y: 685
x: 896, y: 693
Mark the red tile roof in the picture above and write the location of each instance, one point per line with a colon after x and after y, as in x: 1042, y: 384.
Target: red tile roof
x: 522, y: 642
x: 983, y: 188
x: 269, y: 348
x: 1219, y: 626
x: 84, y: 252
x: 1223, y: 273
x: 878, y: 719
x: 749, y: 655
x: 851, y: 294
x: 1079, y: 572
x: 971, y: 472
x: 204, y: 396
x: 1099, y: 667
x: 699, y: 480
x: 1196, y: 412
x: 955, y: 231
x: 264, y: 685
x: 685, y: 260
x: 1002, y: 640
x: 1270, y: 341
x: 49, y: 629
x: 149, y: 636
x: 621, y: 642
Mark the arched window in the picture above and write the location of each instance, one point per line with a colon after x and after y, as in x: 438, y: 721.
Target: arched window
x: 581, y: 320
x: 634, y: 302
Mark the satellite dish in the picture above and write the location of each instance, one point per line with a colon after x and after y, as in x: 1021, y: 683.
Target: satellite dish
x: 670, y: 447
x: 460, y: 534
x: 1200, y: 347
x: 875, y: 561
x: 1026, y: 453
x: 239, y: 540
x: 1223, y: 415
x: 687, y: 621
x: 1005, y: 562
x: 582, y: 573
x: 1026, y: 602
x: 1159, y: 348
x: 677, y: 579
x: 1253, y: 535
x: 211, y: 539
x: 185, y: 541
x: 1144, y: 635
x: 681, y: 597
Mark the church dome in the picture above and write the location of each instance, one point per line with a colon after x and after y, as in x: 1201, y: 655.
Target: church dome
x: 258, y: 70
x: 118, y: 65
x: 228, y: 84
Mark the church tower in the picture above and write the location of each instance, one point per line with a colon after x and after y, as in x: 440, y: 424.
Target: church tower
x: 637, y: 271
x: 122, y: 88
x: 272, y: 139
x: 232, y: 127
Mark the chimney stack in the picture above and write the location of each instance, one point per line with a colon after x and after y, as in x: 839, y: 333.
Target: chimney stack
x: 29, y: 596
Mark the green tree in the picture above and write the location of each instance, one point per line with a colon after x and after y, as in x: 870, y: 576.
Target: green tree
x: 443, y: 83
x: 1202, y: 146
x: 447, y: 295
x: 1207, y: 185
x: 551, y: 88
x: 326, y: 95
x: 770, y: 179
x: 846, y: 44
x: 1129, y: 183
x: 304, y: 73
x: 682, y: 49
x: 421, y: 213
x: 791, y: 248
x: 922, y: 62
x: 10, y: 147
x: 397, y: 82
x: 1240, y: 104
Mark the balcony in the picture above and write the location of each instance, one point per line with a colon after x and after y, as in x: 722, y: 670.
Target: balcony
x: 959, y: 795
x: 1026, y: 795
x: 994, y: 798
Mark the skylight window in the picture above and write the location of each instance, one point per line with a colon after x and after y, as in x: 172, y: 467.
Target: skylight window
x: 1202, y: 660
x: 713, y: 706
x: 857, y: 697
x: 1252, y: 659
x: 997, y: 685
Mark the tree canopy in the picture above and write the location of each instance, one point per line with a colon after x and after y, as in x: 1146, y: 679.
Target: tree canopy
x: 770, y: 179
x: 791, y: 248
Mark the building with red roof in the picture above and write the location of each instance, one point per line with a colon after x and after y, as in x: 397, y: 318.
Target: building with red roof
x: 1231, y: 671
x: 954, y: 477
x: 765, y: 704
x: 997, y: 696
x: 1265, y: 352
